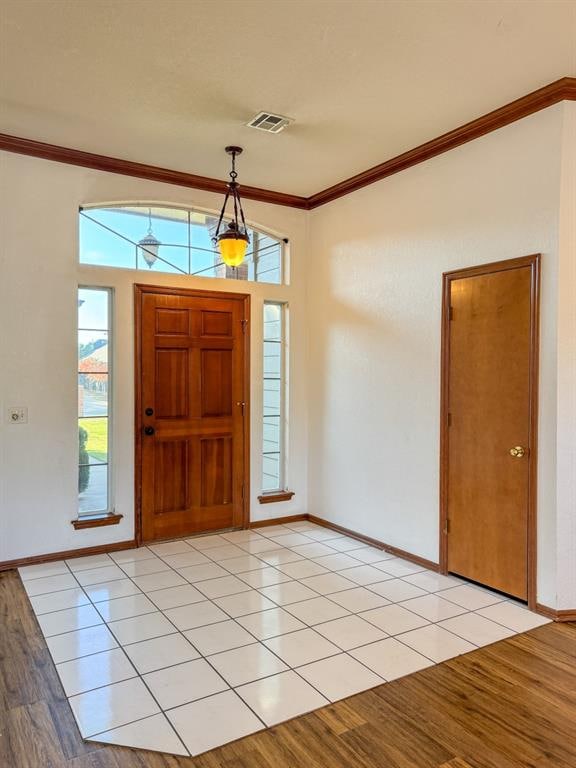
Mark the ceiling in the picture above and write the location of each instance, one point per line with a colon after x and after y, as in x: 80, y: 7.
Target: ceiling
x: 170, y: 83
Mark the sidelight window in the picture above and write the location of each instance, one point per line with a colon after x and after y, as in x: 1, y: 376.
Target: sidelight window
x: 94, y: 394
x: 274, y: 398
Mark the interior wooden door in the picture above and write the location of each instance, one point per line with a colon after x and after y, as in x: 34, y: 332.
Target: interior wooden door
x: 490, y: 432
x: 192, y: 411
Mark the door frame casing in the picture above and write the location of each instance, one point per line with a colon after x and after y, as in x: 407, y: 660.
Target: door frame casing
x: 533, y: 261
x: 140, y: 289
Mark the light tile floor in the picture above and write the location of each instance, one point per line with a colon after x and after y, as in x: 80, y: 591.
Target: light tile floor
x: 183, y: 646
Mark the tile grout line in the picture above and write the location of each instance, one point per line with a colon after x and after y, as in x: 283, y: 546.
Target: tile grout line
x: 284, y: 607
x: 205, y: 658
x: 295, y: 580
x: 170, y: 709
x: 356, y: 585
x: 68, y: 698
x: 140, y: 677
x: 212, y: 667
x: 289, y: 632
x: 181, y: 632
x: 341, y: 651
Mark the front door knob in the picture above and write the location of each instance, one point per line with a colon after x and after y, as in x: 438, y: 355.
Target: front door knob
x: 149, y: 430
x: 517, y: 452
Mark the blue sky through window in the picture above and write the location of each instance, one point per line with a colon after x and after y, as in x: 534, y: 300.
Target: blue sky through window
x: 109, y: 237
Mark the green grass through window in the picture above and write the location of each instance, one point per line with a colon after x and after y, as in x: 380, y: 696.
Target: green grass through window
x: 97, y: 442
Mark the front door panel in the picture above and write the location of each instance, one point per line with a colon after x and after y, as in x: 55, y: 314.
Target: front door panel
x: 193, y: 409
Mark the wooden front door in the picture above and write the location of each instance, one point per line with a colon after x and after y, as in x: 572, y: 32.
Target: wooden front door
x: 191, y: 411
x: 489, y: 423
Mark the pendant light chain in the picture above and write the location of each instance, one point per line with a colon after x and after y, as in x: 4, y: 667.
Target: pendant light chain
x: 215, y: 238
x: 233, y: 174
x: 232, y: 243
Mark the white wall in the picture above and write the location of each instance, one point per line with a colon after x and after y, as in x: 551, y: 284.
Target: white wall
x: 566, y: 439
x: 39, y: 276
x: 377, y: 258
x: 365, y: 339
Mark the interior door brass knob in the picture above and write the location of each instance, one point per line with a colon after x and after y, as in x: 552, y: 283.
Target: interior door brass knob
x: 518, y: 451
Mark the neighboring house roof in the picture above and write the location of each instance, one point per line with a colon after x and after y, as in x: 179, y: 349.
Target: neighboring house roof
x: 95, y: 364
x: 100, y: 354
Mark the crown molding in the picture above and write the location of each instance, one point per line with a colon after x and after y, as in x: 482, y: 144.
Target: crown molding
x: 140, y: 170
x: 551, y: 94
x: 560, y: 90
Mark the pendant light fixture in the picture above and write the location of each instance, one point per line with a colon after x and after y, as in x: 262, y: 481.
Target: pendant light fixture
x: 149, y: 245
x: 232, y: 243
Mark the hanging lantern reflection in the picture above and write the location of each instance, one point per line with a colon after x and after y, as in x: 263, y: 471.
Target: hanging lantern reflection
x: 149, y: 245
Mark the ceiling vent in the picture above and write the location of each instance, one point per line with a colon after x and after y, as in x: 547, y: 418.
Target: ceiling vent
x: 266, y: 121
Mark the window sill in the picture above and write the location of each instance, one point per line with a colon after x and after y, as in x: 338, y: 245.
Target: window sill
x: 96, y: 521
x: 272, y: 498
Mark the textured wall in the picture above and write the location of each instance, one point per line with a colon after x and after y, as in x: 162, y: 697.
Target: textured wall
x: 377, y: 258
x: 40, y: 274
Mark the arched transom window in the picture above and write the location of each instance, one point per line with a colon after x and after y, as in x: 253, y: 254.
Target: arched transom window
x: 162, y: 239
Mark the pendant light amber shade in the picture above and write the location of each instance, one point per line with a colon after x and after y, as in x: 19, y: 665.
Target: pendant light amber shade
x: 232, y: 245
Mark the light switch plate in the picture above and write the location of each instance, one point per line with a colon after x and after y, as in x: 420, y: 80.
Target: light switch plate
x: 17, y: 415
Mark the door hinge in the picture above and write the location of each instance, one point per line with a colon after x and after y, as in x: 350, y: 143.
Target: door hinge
x: 242, y: 492
x: 244, y: 324
x: 451, y: 313
x: 449, y: 419
x: 447, y: 527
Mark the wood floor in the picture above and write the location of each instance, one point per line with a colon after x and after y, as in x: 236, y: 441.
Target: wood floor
x: 508, y: 705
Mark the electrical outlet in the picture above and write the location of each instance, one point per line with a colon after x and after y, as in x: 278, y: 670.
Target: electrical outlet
x: 17, y: 415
